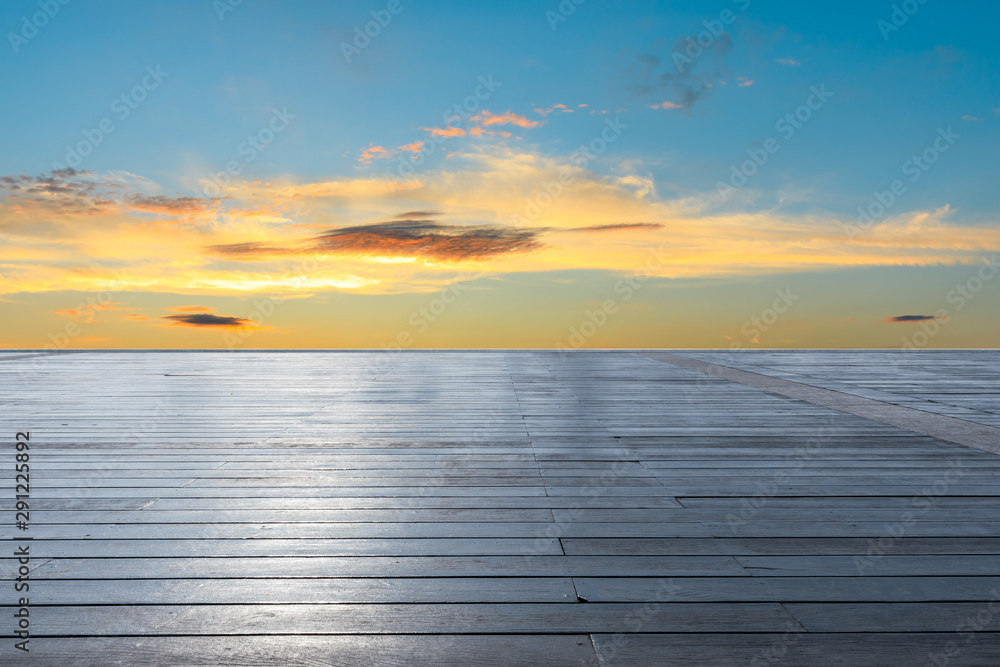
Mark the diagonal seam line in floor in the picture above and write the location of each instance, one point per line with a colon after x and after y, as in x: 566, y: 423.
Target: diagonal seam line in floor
x: 949, y: 429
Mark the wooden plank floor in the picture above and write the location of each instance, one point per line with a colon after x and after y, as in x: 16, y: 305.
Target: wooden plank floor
x: 498, y: 507
x: 946, y: 382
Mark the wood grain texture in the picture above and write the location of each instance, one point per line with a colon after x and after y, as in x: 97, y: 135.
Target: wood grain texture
x: 501, y: 507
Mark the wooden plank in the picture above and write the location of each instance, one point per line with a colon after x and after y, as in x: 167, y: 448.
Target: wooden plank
x: 961, y: 618
x: 360, y: 531
x: 794, y: 647
x: 847, y: 528
x: 775, y: 546
x: 331, y: 619
x: 789, y: 589
x: 879, y: 563
x: 767, y: 514
x: 949, y: 429
x: 302, y: 492
x: 207, y: 547
x: 291, y: 516
x: 805, y: 490
x: 311, y: 651
x: 305, y: 591
x: 846, y: 502
x: 357, y: 503
x: 380, y: 566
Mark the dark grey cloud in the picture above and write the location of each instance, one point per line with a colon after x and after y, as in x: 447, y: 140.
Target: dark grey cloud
x: 169, y: 205
x: 911, y: 318
x: 86, y: 192
x: 59, y: 180
x: 684, y: 74
x: 410, y: 238
x: 402, y: 238
x: 207, y: 320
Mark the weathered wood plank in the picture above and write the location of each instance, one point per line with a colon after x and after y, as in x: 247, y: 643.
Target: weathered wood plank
x: 360, y: 531
x: 789, y: 589
x: 228, y: 548
x: 357, y: 503
x: 312, y: 651
x: 304, y: 591
x: 776, y: 546
x: 290, y: 516
x: 962, y: 618
x: 881, y: 563
x: 381, y: 566
x: 332, y: 619
x: 795, y: 647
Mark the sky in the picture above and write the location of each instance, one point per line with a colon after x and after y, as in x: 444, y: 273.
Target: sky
x: 580, y: 174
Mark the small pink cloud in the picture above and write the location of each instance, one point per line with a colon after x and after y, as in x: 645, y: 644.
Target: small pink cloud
x: 745, y: 82
x: 665, y: 105
x: 488, y: 118
x: 413, y: 148
x: 445, y: 131
x: 562, y: 108
x: 788, y: 62
x: 372, y: 153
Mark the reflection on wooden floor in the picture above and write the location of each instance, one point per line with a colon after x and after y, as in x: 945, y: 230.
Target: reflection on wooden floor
x: 499, y: 508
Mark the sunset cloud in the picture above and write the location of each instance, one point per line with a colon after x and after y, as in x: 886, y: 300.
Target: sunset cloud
x: 561, y: 108
x: 412, y: 148
x: 404, y: 238
x: 373, y: 235
x: 67, y: 202
x: 428, y: 239
x: 372, y: 153
x: 169, y: 205
x: 409, y: 215
x: 192, y: 309
x: 487, y: 118
x: 251, y: 250
x: 911, y: 318
x: 620, y: 227
x: 208, y: 320
x: 479, y: 125
x: 445, y: 132
x: 205, y: 317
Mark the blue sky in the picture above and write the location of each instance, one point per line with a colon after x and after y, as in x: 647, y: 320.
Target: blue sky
x: 228, y: 72
x: 226, y: 75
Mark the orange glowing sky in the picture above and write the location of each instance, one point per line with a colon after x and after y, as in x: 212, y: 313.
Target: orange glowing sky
x: 586, y: 203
